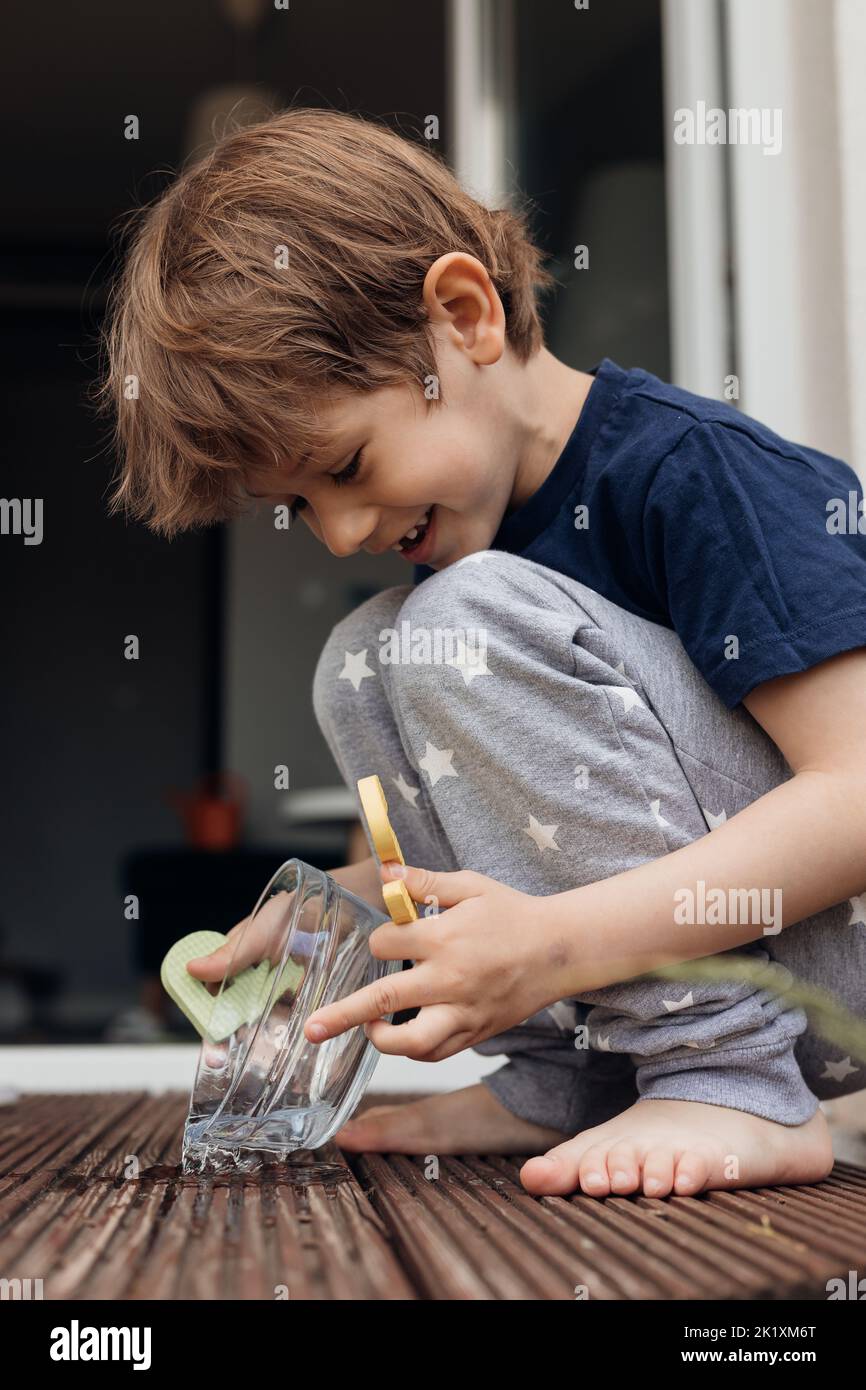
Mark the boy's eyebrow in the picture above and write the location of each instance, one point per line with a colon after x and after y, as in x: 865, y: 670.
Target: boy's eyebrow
x: 291, y: 473
x: 322, y: 454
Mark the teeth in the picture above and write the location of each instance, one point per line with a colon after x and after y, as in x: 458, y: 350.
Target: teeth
x: 411, y: 535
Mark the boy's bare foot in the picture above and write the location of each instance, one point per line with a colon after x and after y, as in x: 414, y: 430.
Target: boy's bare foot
x: 471, y: 1120
x: 663, y: 1146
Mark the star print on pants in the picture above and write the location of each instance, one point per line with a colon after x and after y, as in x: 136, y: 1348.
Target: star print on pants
x: 356, y: 668
x: 685, y: 1003
x: 858, y: 910
x: 436, y: 762
x: 629, y: 697
x: 468, y: 663
x: 541, y: 834
x: 837, y: 1071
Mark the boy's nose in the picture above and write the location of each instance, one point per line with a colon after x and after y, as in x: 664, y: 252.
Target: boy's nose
x: 347, y: 536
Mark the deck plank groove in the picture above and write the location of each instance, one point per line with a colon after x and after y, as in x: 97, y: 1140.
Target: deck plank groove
x: 93, y: 1202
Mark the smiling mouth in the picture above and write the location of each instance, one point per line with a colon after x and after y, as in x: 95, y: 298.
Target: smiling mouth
x: 415, y: 536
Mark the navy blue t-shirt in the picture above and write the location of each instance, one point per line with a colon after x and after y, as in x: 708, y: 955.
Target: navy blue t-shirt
x: 703, y: 520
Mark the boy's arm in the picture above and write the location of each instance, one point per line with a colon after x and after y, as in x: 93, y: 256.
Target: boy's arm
x: 481, y: 971
x: 807, y: 838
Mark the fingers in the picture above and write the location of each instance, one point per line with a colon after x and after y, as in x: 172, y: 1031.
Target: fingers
x: 253, y: 940
x: 439, y: 889
x: 433, y: 1034
x: 402, y: 990
x: 412, y: 942
x: 214, y: 967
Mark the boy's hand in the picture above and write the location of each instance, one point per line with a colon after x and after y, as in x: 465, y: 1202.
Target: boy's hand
x: 264, y: 939
x: 482, y: 966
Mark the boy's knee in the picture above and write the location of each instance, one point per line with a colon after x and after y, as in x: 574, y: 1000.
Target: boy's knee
x: 497, y: 602
x: 471, y: 590
x: 442, y: 596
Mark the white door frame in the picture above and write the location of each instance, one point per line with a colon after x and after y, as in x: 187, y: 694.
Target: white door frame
x: 697, y: 202
x: 482, y: 97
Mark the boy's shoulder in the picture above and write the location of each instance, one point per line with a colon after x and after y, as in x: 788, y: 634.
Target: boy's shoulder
x: 678, y: 416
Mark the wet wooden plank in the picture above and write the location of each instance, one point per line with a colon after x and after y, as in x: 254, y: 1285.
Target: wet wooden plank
x: 740, y: 1269
x: 174, y: 1219
x: 127, y: 1256
x: 548, y: 1227
x: 468, y: 1231
x: 700, y: 1252
x: 771, y: 1217
x: 92, y: 1201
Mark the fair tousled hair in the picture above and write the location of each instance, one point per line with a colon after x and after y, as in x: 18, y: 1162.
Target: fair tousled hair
x: 285, y: 264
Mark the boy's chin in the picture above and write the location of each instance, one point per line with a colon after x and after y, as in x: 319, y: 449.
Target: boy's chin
x: 461, y: 550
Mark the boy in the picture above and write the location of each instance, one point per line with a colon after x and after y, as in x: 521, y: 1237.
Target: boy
x: 672, y: 643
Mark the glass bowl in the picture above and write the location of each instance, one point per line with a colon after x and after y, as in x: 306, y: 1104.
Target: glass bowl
x: 265, y: 1091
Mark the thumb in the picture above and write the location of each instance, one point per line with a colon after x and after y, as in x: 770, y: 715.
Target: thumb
x: 212, y: 968
x: 444, y: 889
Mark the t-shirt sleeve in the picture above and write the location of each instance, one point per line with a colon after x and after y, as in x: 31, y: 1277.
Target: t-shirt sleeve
x: 757, y: 555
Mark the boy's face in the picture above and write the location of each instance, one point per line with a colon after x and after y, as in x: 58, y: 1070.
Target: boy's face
x: 401, y: 460
x: 394, y: 458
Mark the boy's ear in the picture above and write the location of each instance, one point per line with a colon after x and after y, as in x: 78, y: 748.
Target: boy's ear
x: 459, y: 294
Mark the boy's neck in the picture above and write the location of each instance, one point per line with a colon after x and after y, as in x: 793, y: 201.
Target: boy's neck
x: 546, y: 407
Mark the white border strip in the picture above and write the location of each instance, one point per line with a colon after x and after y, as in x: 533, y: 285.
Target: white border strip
x: 157, y: 1067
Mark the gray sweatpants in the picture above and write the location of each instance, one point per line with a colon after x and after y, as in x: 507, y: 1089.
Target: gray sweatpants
x: 548, y: 738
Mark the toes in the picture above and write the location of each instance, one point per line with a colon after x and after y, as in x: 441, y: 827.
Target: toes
x: 544, y: 1177
x: 593, y: 1171
x: 692, y: 1172
x: 556, y: 1173
x: 658, y: 1172
x: 589, y: 1168
x: 623, y: 1166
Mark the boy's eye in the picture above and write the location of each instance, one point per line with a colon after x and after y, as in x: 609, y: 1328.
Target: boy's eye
x: 338, y: 479
x: 348, y: 472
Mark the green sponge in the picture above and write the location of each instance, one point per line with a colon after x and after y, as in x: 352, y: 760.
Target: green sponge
x: 241, y: 1000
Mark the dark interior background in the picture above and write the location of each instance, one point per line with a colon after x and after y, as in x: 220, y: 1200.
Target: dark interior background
x: 92, y: 743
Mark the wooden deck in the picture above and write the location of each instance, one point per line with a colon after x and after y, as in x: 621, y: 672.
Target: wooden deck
x: 93, y: 1203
